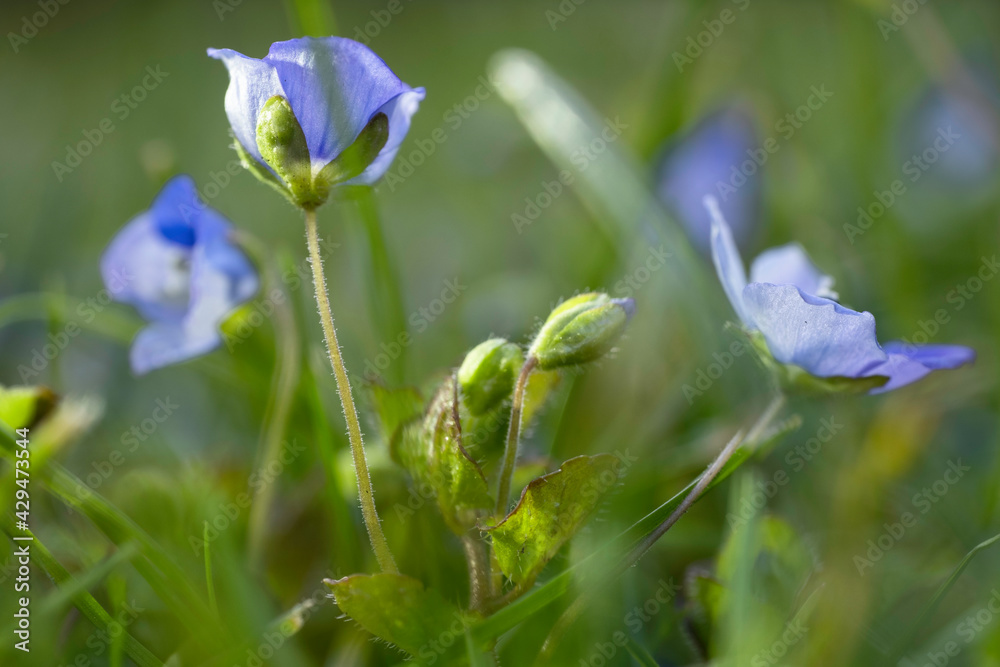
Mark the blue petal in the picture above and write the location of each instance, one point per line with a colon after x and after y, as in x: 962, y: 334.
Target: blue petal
x: 909, y: 363
x: 251, y: 83
x: 790, y: 265
x: 143, y: 268
x: 399, y: 110
x: 816, y: 334
x: 176, y: 208
x: 177, y: 265
x: 334, y: 86
x: 694, y: 167
x: 727, y: 260
x: 162, y: 344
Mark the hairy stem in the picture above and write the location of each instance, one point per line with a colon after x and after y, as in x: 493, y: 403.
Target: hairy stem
x: 379, y: 544
x: 513, y: 437
x: 479, y: 571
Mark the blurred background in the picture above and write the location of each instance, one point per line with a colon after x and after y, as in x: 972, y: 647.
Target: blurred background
x: 562, y: 146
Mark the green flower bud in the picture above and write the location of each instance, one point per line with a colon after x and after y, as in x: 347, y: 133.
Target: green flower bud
x: 282, y: 144
x: 488, y: 374
x: 581, y: 330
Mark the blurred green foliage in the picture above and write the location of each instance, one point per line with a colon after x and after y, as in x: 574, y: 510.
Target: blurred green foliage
x: 825, y: 525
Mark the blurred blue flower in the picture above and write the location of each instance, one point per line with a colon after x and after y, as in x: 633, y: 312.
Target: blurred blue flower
x: 176, y: 265
x: 334, y: 86
x: 791, y: 303
x: 974, y: 155
x: 694, y: 166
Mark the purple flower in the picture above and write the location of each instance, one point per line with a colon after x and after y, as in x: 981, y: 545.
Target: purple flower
x: 791, y: 304
x: 335, y: 88
x: 711, y: 160
x: 176, y: 265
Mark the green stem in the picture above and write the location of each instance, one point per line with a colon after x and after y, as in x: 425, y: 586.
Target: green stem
x: 383, y: 283
x: 479, y: 571
x: 513, y: 437
x: 379, y: 543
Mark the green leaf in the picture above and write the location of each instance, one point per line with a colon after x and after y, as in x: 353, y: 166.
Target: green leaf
x: 542, y: 596
x: 398, y: 609
x: 551, y: 510
x: 433, y: 453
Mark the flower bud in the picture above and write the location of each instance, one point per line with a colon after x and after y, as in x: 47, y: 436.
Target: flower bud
x: 282, y: 144
x: 581, y: 330
x: 488, y: 374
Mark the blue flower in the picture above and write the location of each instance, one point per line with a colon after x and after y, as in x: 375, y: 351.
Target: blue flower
x: 176, y: 265
x: 336, y: 89
x: 710, y: 160
x: 791, y: 304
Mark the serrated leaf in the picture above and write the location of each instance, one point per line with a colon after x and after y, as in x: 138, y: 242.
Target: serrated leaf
x: 551, y: 510
x: 393, y: 408
x: 433, y: 453
x: 398, y: 609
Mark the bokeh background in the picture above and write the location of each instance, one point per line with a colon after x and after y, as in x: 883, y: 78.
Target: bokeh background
x: 896, y: 74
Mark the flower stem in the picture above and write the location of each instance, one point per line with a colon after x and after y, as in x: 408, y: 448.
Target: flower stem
x: 379, y: 544
x: 513, y: 437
